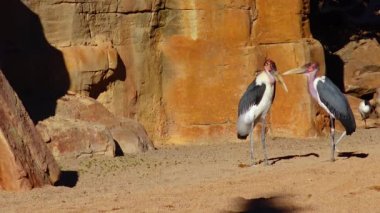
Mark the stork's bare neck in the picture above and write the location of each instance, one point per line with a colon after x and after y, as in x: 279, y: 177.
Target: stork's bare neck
x: 311, y: 76
x: 272, y: 80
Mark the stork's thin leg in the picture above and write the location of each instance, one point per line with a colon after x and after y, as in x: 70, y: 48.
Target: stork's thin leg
x: 365, y: 124
x: 263, y: 121
x: 332, y: 133
x: 340, y: 138
x: 251, y: 145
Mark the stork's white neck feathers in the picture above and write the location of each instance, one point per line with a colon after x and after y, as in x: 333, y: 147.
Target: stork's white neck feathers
x: 265, y: 77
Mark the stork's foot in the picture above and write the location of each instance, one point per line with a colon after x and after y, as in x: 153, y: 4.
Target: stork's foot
x: 260, y: 162
x: 253, y: 164
x: 332, y: 158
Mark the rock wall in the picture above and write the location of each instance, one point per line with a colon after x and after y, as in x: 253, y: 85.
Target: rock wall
x: 211, y: 54
x: 180, y: 67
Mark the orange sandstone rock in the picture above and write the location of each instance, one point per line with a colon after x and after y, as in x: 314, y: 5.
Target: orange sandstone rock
x: 25, y: 161
x: 186, y: 63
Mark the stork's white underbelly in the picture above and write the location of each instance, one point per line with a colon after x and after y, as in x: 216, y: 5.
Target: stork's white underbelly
x: 261, y: 109
x: 254, y: 112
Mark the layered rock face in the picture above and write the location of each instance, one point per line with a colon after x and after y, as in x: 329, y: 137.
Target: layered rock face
x: 25, y: 161
x: 211, y: 54
x: 180, y: 67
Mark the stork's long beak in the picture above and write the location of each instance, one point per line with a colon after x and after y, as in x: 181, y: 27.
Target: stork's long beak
x: 298, y: 70
x: 281, y: 80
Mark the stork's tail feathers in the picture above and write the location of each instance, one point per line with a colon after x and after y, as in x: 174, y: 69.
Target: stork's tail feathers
x: 349, y: 133
x: 243, y: 129
x: 242, y: 137
x: 351, y: 129
x: 349, y: 124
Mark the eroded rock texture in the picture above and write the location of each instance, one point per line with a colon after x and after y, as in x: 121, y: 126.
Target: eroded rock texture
x: 361, y: 66
x: 75, y: 138
x: 83, y: 127
x: 25, y: 161
x: 180, y: 67
x: 210, y: 55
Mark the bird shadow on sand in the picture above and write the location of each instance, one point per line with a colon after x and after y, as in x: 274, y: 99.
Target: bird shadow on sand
x: 273, y: 204
x: 348, y: 155
x: 273, y: 161
x: 68, y: 179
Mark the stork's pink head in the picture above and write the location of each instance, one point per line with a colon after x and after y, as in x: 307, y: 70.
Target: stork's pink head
x: 311, y: 67
x: 269, y: 65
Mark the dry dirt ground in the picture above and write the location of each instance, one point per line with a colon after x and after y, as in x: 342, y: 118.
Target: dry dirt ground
x: 214, y: 178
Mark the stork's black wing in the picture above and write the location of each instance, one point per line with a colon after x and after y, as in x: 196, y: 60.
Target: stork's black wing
x: 252, y: 96
x: 337, y: 103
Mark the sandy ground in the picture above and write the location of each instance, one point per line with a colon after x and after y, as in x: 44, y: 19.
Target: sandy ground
x: 214, y: 178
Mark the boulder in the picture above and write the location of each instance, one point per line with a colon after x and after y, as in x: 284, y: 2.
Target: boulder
x: 131, y: 136
x: 72, y: 138
x: 25, y: 160
x: 361, y: 66
x: 84, y: 127
x: 85, y: 109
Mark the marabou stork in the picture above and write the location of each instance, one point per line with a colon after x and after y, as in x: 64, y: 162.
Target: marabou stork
x: 331, y: 99
x: 255, y: 104
x: 365, y: 109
